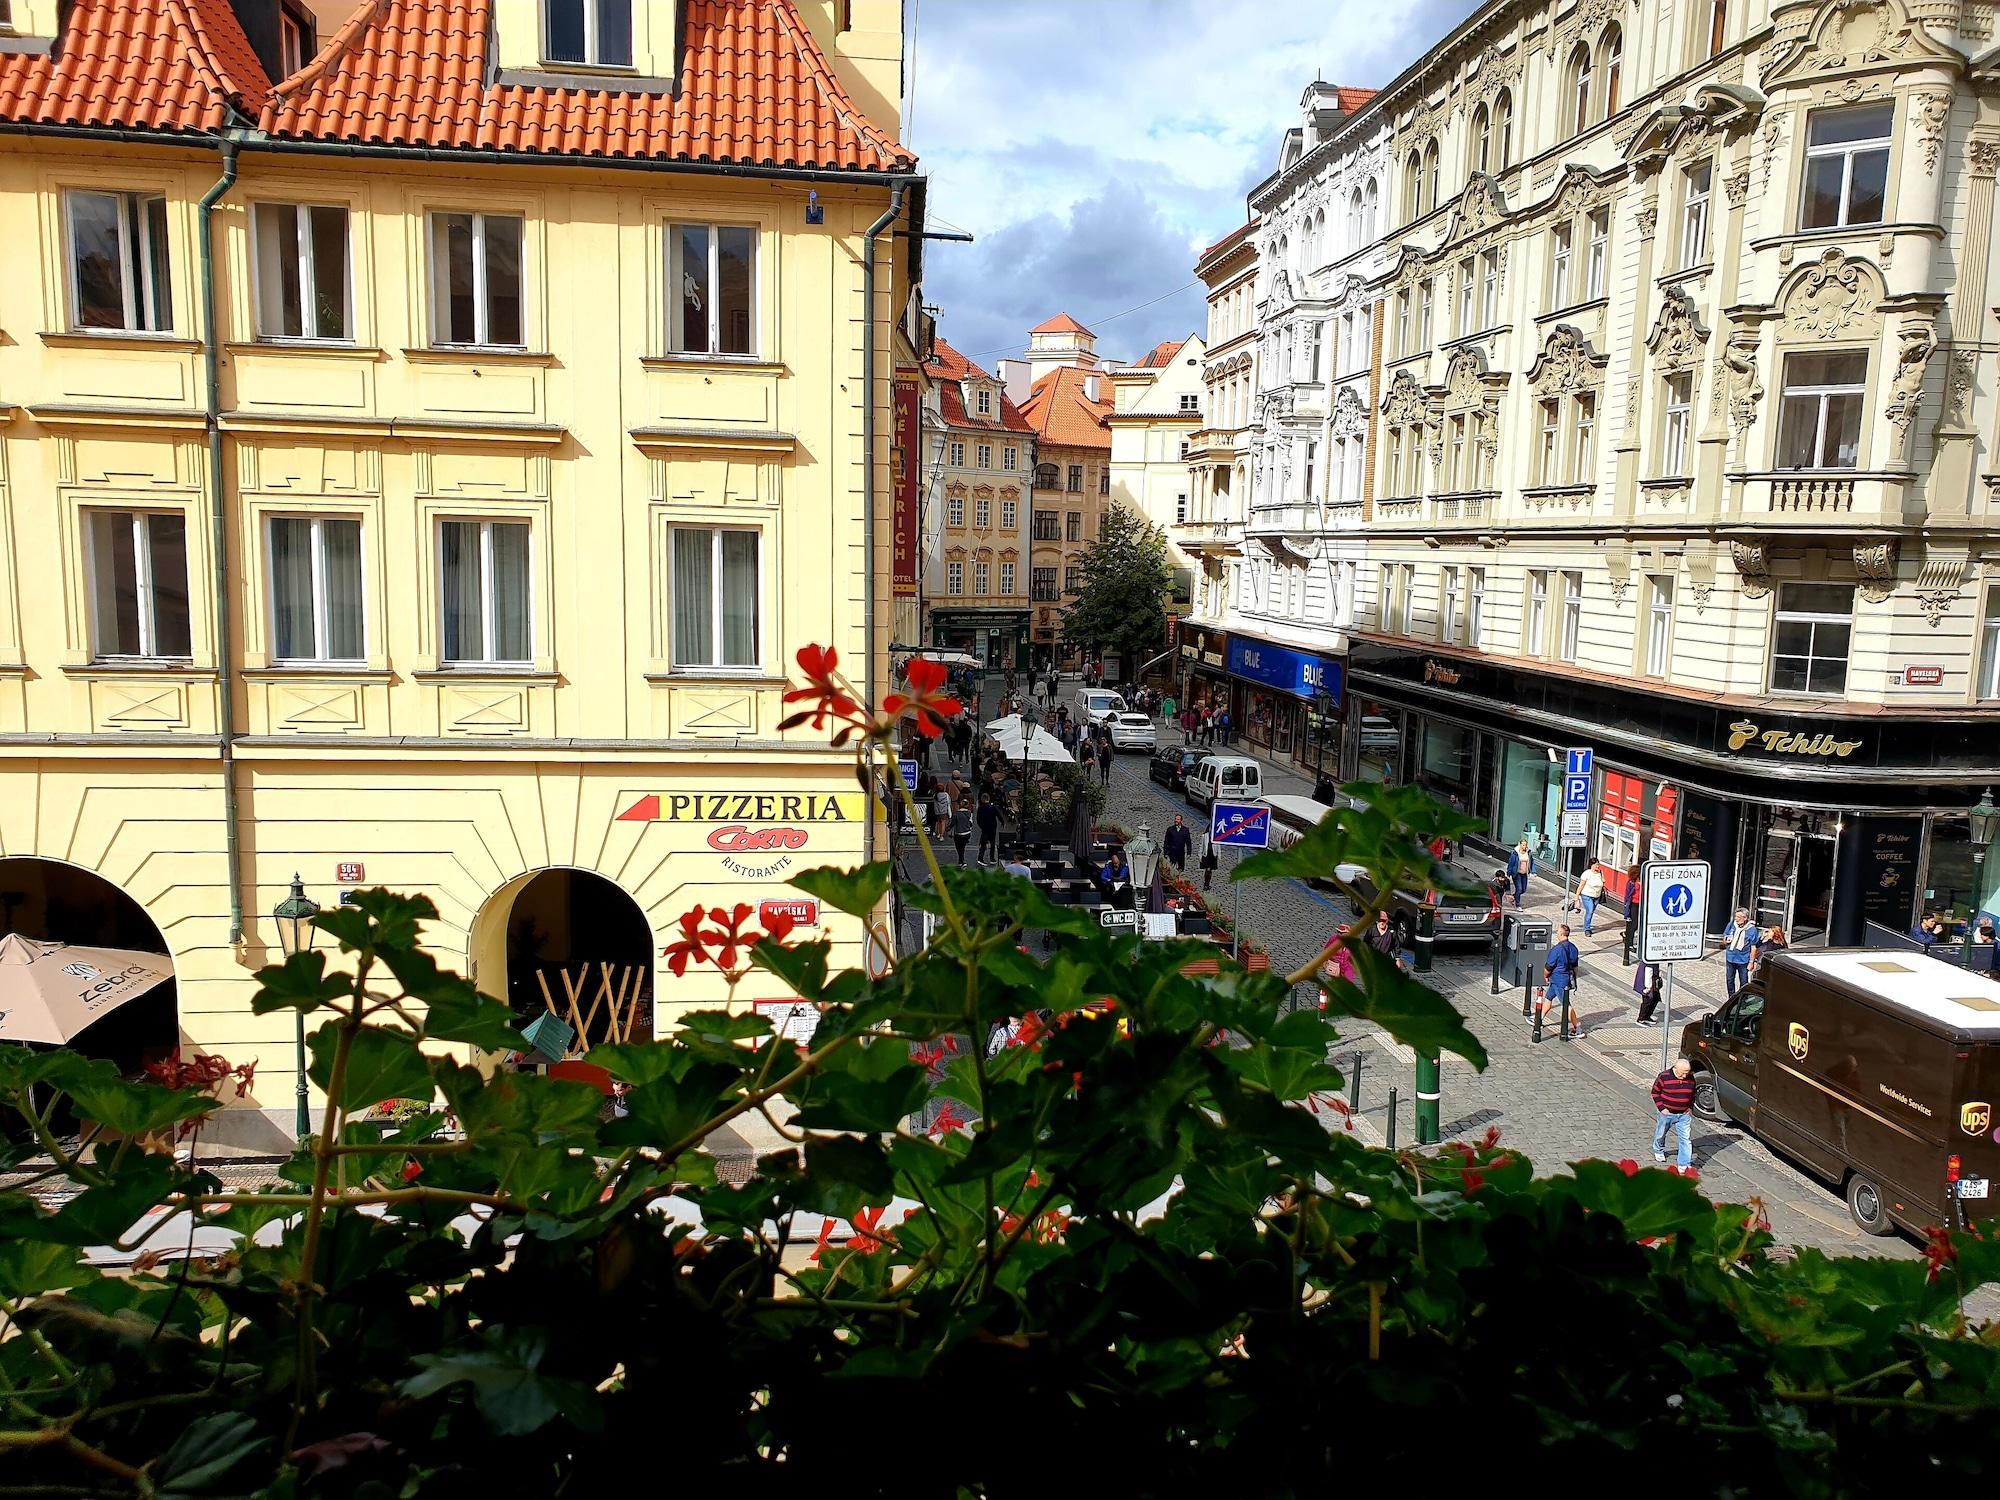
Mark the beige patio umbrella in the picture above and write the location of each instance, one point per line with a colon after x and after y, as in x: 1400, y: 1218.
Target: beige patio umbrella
x: 51, y: 991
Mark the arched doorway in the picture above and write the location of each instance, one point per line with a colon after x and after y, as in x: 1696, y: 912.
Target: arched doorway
x: 56, y: 902
x: 572, y: 941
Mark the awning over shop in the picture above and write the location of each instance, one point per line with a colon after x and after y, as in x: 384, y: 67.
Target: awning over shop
x: 50, y: 991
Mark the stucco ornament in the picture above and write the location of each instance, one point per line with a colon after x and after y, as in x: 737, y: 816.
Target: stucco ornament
x: 1566, y: 363
x: 1876, y: 563
x: 1928, y: 113
x: 1753, y: 567
x: 1350, y: 416
x: 1832, y: 298
x: 1739, y: 364
x: 1678, y: 334
x: 1916, y: 343
x: 1405, y: 403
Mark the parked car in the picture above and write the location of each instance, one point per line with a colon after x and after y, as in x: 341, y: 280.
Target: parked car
x: 1224, y: 778
x: 1458, y: 916
x: 1130, y: 731
x: 1170, y: 767
x: 1093, y: 705
x: 1875, y: 1070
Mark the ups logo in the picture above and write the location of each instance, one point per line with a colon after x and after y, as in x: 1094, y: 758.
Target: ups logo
x: 1798, y: 1040
x: 1973, y: 1118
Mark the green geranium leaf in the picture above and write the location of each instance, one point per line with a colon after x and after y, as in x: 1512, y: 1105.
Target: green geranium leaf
x: 207, y: 1453
x: 299, y: 983
x: 1648, y: 1203
x: 802, y: 966
x: 381, y: 1064
x: 30, y: 1267
x: 858, y: 892
x: 134, y: 1109
x: 507, y: 1386
x: 1410, y: 1012
x: 469, y: 1016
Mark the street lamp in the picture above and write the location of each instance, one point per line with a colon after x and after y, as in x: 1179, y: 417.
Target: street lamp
x: 1027, y: 716
x: 1982, y: 822
x: 1144, y: 857
x: 1322, y: 711
x: 294, y: 916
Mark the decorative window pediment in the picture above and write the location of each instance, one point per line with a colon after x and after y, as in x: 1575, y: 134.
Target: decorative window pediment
x: 1831, y: 298
x: 1846, y: 37
x: 1566, y: 363
x: 1406, y: 402
x: 1678, y: 333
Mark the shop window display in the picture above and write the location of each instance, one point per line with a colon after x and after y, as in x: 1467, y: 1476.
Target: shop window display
x: 1530, y: 799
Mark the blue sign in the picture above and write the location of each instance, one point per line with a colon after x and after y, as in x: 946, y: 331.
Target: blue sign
x: 1247, y: 825
x: 1576, y: 793
x: 909, y: 773
x: 1677, y: 900
x: 1579, y: 762
x: 1299, y: 673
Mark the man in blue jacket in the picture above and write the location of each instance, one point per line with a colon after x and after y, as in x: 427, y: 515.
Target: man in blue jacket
x: 1739, y: 949
x: 1559, y: 975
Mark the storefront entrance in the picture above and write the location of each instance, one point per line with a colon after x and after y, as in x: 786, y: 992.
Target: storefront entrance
x: 1792, y: 886
x: 571, y: 942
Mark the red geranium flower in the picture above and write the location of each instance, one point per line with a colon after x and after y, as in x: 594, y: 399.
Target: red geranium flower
x: 1939, y: 1251
x: 828, y: 691
x: 923, y: 701
x: 689, y: 945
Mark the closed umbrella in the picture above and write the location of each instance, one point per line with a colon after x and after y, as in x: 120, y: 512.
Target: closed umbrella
x: 51, y: 991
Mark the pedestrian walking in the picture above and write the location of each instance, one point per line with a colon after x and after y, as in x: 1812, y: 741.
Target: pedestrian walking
x: 941, y: 812
x: 961, y: 827
x: 1086, y: 757
x: 1208, y: 862
x: 989, y: 829
x: 1589, y: 891
x: 1167, y: 708
x: 1559, y: 979
x: 1179, y: 840
x: 1384, y: 939
x: 1772, y: 941
x: 1739, y: 950
x: 1646, y: 985
x: 1673, y: 1097
x: 1520, y: 863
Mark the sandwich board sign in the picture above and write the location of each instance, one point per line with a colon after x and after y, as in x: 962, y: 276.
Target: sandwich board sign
x: 1676, y: 910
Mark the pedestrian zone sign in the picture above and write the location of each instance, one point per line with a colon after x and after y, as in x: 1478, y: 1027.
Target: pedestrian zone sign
x: 1676, y: 910
x: 1246, y: 825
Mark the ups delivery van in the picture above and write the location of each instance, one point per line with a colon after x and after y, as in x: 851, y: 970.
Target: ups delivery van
x: 1876, y: 1070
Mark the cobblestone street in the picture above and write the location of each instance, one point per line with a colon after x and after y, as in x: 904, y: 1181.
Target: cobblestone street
x: 1555, y: 1101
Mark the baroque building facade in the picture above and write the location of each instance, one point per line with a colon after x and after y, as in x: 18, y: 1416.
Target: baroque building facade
x: 1679, y: 439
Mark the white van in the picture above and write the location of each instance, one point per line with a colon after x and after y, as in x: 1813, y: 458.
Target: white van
x: 1095, y: 705
x: 1291, y: 817
x: 1225, y: 778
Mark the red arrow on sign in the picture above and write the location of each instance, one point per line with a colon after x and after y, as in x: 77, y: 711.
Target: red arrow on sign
x: 645, y: 810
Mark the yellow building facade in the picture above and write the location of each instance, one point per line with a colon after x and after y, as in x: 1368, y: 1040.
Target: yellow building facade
x: 537, y: 466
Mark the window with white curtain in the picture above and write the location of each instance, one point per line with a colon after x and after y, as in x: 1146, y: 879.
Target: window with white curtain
x: 717, y: 588
x: 1448, y: 605
x: 597, y: 33
x: 1680, y: 403
x: 485, y: 593
x: 139, y: 584
x: 1572, y: 615
x: 301, y: 270
x: 1584, y: 451
x: 1847, y: 166
x: 119, y: 265
x: 1535, y: 621
x: 1695, y: 189
x: 712, y: 269
x: 1988, y: 683
x: 1467, y: 277
x: 316, y: 610
x: 1489, y: 289
x: 1600, y: 251
x: 1475, y: 605
x: 1659, y: 623
x: 1819, y: 420
x: 476, y: 286
x: 1548, y: 463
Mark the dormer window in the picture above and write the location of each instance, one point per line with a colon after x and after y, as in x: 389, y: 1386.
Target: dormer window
x: 295, y: 40
x: 985, y: 402
x: 596, y: 33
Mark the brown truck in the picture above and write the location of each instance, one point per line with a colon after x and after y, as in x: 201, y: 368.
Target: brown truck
x: 1875, y: 1070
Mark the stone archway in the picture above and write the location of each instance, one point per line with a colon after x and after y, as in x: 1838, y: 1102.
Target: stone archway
x: 564, y: 932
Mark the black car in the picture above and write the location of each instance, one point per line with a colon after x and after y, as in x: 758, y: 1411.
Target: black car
x: 1457, y: 916
x: 1170, y: 767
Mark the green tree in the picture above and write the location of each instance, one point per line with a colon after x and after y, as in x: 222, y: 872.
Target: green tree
x: 1127, y: 578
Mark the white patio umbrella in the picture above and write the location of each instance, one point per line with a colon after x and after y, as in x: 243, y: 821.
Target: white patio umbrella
x: 1041, y: 745
x: 51, y: 991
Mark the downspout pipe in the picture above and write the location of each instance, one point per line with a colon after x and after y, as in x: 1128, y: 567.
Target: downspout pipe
x: 868, y: 500
x: 218, y: 521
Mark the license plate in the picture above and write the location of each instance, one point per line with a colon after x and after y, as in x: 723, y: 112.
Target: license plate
x: 1972, y: 1187
x: 1465, y: 916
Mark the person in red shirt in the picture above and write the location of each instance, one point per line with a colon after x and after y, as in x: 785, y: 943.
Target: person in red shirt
x: 1673, y: 1097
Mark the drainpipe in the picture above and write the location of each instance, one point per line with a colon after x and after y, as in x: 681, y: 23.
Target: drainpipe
x: 219, y: 539
x: 889, y: 216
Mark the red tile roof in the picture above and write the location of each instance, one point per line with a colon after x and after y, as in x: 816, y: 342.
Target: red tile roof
x: 948, y: 367
x: 136, y: 64
x: 1060, y: 323
x: 1352, y: 99
x: 1060, y: 409
x: 755, y: 89
x: 1160, y: 354
x: 1227, y: 240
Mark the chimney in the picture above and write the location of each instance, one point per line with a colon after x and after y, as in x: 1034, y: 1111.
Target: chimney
x: 1090, y: 388
x: 262, y: 22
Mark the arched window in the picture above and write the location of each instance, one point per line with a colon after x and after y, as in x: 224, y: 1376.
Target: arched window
x: 1579, y: 89
x: 1368, y: 207
x: 1431, y: 176
x: 1047, y: 477
x: 1354, y: 222
x: 1413, y: 188
x: 1718, y: 25
x: 1503, y: 131
x: 1610, y: 62
x: 1482, y: 140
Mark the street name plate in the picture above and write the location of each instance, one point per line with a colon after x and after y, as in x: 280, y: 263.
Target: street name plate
x: 1676, y: 910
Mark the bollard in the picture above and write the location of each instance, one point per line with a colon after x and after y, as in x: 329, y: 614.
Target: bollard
x: 1527, y: 994
x: 1389, y: 1134
x: 1499, y: 947
x: 1541, y: 1005
x: 1426, y: 935
x: 1354, y: 1087
x: 1428, y: 1092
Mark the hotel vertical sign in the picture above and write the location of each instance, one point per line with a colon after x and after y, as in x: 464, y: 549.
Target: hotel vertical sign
x: 905, y: 543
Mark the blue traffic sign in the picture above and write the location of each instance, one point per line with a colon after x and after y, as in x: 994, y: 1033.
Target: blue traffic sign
x: 909, y: 768
x: 1246, y: 825
x: 1576, y: 793
x: 1677, y: 900
x: 1579, y: 762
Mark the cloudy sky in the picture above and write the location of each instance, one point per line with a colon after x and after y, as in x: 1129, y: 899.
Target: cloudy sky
x: 1095, y: 146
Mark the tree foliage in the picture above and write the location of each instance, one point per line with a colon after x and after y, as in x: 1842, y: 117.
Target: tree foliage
x: 1134, y: 1241
x: 1126, y: 578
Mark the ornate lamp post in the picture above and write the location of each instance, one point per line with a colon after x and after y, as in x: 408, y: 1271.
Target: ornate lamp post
x: 1982, y: 822
x: 1144, y: 857
x: 294, y: 916
x: 1027, y: 716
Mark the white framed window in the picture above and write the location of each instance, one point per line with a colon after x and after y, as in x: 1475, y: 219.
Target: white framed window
x: 1562, y: 241
x: 982, y: 514
x: 1006, y: 578
x: 954, y: 510
x: 1659, y: 623
x: 983, y: 403
x: 1718, y: 25
x: 712, y: 288
x: 1392, y: 459
x: 1311, y: 492
x: 982, y: 578
x: 1180, y: 509
x: 1467, y: 279
x: 1988, y: 683
x: 1007, y: 452
x: 1680, y: 406
x: 316, y: 604
x: 1696, y: 186
x: 1426, y: 292
x: 1403, y: 323
x: 1811, y: 630
x: 1351, y: 485
x: 1489, y: 290
x: 984, y: 454
x: 1579, y: 87
x: 1503, y: 129
x: 1454, y: 455
x: 1535, y: 621
x: 1847, y: 166
x: 1010, y: 514
x: 1190, y: 402
x: 1613, y: 52
x: 1600, y: 253
x: 476, y: 281
x: 295, y: 40
x: 957, y: 456
x: 1448, y: 605
x: 954, y: 578
x: 1548, y: 462
x: 1583, y: 452
x: 718, y: 591
x: 1572, y: 616
x: 1819, y: 424
x: 139, y: 584
x: 1482, y: 140
x: 596, y: 33
x: 485, y: 593
x: 1475, y: 606
x: 120, y: 279
x: 301, y: 271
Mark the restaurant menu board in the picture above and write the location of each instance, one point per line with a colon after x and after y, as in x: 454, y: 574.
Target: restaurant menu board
x: 1889, y: 848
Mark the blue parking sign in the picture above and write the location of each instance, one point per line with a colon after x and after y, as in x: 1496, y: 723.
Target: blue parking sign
x: 1576, y: 793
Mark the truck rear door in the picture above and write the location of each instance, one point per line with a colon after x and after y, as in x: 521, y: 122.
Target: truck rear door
x: 1975, y: 1133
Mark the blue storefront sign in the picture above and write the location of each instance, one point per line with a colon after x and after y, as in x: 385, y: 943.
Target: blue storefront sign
x: 1300, y: 673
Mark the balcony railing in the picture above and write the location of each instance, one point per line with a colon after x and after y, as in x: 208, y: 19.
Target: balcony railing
x: 1406, y: 509
x: 1466, y: 505
x: 1047, y: 593
x: 1814, y: 494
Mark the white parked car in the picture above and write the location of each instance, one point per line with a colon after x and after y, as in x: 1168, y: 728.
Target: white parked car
x: 1095, y: 705
x: 1130, y: 731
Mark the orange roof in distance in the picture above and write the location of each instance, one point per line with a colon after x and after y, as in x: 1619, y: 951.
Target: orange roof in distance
x: 136, y: 64
x: 1060, y: 408
x: 1060, y: 323
x: 1161, y: 354
x: 948, y: 367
